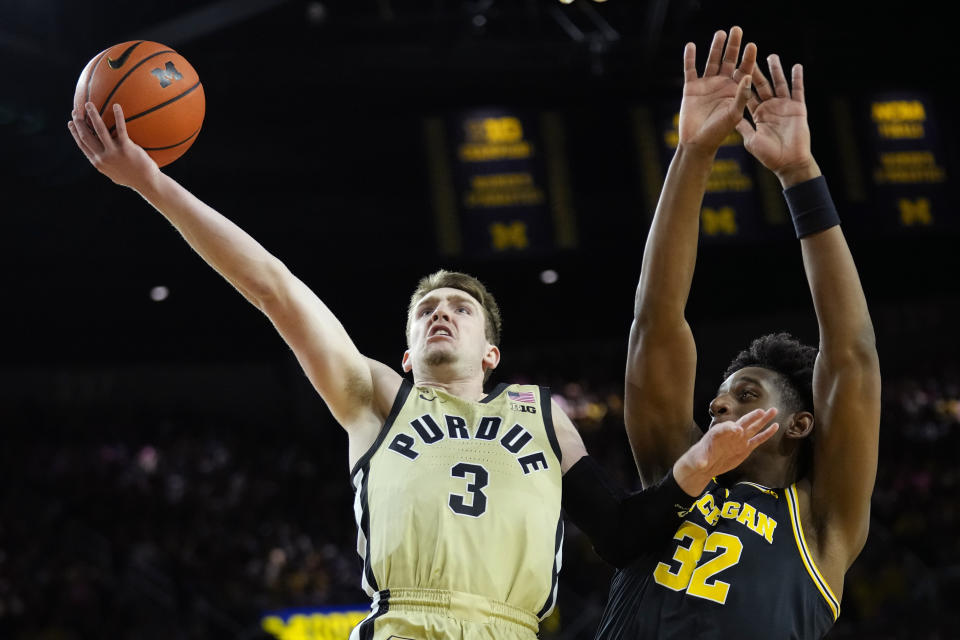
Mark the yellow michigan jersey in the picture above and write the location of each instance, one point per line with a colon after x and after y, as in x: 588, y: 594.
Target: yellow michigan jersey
x: 457, y: 505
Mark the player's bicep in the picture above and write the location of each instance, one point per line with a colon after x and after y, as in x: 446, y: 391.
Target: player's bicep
x: 845, y: 443
x: 658, y: 403
x: 568, y: 438
x: 336, y: 368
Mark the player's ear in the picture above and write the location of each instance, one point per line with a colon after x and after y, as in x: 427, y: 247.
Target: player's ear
x: 405, y: 363
x: 800, y: 425
x: 491, y: 358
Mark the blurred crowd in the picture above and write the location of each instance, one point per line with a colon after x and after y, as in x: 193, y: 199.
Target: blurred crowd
x: 189, y: 527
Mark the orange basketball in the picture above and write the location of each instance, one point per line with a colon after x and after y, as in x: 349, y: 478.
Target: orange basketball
x: 160, y: 93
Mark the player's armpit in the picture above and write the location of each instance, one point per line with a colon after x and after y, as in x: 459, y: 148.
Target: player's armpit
x: 621, y: 525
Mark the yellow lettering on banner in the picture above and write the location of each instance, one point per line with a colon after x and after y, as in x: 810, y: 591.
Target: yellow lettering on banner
x: 483, y: 152
x: 509, y: 236
x: 901, y: 130
x: 315, y: 626
x: 717, y: 221
x: 915, y: 211
x: 495, y: 130
x: 906, y: 167
x: 503, y: 190
x: 898, y: 111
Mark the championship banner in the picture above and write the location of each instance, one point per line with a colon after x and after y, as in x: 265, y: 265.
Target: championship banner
x: 730, y: 209
x: 500, y: 183
x: 908, y: 168
x: 317, y: 623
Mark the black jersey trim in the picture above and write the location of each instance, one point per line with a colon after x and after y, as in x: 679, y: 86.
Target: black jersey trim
x: 398, y: 402
x: 365, y: 528
x: 366, y: 627
x: 557, y: 559
x: 497, y: 390
x: 794, y: 507
x: 547, y: 407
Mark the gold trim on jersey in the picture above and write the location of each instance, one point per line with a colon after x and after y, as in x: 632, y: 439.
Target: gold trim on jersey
x: 793, y: 504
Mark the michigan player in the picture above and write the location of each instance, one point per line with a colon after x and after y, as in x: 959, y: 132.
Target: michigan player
x: 763, y: 552
x: 458, y: 491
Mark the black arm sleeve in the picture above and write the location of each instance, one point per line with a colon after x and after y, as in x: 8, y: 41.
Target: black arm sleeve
x: 621, y: 525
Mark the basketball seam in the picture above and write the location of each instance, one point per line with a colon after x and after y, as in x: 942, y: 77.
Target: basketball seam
x: 187, y: 139
x: 93, y: 70
x: 127, y: 75
x: 159, y: 106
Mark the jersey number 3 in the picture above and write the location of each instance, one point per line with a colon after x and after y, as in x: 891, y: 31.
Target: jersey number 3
x: 478, y: 500
x: 695, y: 578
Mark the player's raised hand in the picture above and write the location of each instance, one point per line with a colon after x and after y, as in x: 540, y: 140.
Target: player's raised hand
x: 780, y: 136
x: 713, y: 103
x: 722, y: 448
x: 115, y: 156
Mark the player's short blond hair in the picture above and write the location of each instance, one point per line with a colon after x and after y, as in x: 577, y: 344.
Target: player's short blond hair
x: 456, y: 280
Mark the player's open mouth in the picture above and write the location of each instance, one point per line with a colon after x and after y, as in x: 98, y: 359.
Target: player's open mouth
x: 440, y: 332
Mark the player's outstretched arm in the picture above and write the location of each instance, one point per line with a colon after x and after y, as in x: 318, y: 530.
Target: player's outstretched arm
x: 846, y: 378
x: 661, y: 357
x: 342, y: 376
x: 622, y: 526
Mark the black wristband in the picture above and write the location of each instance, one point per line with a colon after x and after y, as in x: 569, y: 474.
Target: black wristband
x: 811, y: 207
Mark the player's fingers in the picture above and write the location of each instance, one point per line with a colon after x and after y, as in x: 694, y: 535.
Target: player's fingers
x: 83, y: 131
x: 746, y: 131
x: 780, y: 87
x: 764, y: 89
x: 76, y: 138
x: 744, y: 92
x: 689, y: 62
x: 763, y: 436
x: 732, y: 52
x: 121, y: 123
x: 797, y: 83
x: 99, y: 126
x: 716, y: 52
x: 749, y: 60
x: 754, y: 421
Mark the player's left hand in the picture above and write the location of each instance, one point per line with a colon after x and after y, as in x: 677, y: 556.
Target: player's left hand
x: 115, y: 156
x: 779, y: 136
x: 722, y: 448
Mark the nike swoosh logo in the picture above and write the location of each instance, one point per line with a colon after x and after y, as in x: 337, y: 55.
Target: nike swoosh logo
x: 119, y: 62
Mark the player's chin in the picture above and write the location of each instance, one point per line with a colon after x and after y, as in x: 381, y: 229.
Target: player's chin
x: 436, y: 357
x: 736, y: 474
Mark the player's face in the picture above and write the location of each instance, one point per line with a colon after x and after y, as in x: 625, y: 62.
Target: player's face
x: 745, y: 390
x: 448, y: 327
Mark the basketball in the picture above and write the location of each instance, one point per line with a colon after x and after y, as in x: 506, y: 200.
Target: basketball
x: 160, y: 93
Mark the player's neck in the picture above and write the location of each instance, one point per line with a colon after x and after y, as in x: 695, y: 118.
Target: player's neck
x: 776, y: 472
x: 461, y: 385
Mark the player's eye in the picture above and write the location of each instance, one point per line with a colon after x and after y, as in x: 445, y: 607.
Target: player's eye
x: 747, y: 394
x: 463, y: 309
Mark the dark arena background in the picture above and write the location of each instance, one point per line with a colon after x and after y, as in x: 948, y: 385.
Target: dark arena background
x: 166, y: 471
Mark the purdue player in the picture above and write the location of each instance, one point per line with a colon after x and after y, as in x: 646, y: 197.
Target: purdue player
x: 763, y: 552
x: 457, y: 491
